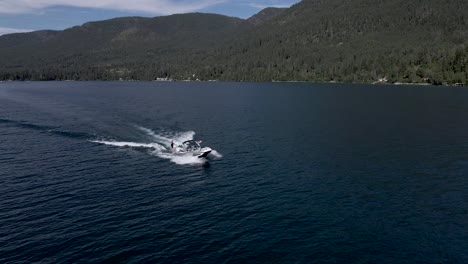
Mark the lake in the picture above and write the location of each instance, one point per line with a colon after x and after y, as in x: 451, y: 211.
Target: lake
x: 301, y: 173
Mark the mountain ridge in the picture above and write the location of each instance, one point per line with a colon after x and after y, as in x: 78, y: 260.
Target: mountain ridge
x: 265, y: 15
x: 314, y: 40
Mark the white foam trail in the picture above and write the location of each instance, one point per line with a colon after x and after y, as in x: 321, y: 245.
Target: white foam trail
x: 166, y: 138
x: 184, y: 136
x: 181, y: 159
x: 161, y: 146
x: 130, y: 144
x: 161, y: 139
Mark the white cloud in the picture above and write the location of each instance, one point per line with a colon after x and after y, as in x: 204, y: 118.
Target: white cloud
x: 263, y: 6
x: 163, y: 7
x: 4, y: 30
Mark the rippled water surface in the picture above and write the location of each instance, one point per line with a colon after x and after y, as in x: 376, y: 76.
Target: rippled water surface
x: 307, y: 173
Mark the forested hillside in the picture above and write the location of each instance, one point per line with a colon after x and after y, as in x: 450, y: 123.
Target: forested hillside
x: 358, y: 41
x: 419, y: 41
x: 128, y: 48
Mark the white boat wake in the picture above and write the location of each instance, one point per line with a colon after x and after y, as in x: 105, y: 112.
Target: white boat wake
x: 161, y: 146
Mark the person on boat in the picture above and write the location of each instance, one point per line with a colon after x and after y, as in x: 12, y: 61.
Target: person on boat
x: 173, y: 148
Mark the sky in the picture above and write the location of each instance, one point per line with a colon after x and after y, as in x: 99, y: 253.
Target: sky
x: 30, y: 15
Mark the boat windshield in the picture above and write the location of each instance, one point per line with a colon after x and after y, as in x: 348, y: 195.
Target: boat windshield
x: 191, y: 145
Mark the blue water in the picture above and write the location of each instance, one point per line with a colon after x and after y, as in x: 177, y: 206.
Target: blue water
x: 304, y: 173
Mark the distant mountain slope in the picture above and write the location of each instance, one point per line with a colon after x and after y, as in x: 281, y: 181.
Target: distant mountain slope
x: 359, y: 41
x: 115, y: 48
x: 265, y: 15
x: 314, y: 40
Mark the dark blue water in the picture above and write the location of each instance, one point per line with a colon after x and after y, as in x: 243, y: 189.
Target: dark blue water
x: 306, y: 173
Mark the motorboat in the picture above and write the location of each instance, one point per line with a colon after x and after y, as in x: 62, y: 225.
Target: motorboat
x: 193, y: 147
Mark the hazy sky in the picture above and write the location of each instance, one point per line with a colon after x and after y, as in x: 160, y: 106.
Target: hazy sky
x: 27, y: 15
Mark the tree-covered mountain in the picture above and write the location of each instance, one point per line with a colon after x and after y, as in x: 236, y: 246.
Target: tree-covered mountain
x: 420, y: 41
x: 265, y: 15
x: 129, y: 47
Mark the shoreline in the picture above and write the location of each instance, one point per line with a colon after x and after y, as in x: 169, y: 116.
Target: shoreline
x: 273, y: 81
